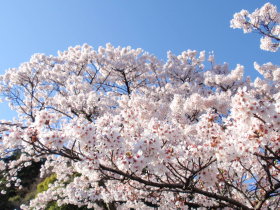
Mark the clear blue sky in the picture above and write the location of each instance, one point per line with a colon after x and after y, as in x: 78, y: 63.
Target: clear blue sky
x: 37, y: 26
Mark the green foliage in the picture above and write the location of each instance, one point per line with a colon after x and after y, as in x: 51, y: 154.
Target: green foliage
x: 44, y: 185
x: 14, y: 199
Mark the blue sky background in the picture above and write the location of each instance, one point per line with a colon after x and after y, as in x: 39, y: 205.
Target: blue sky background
x: 37, y: 26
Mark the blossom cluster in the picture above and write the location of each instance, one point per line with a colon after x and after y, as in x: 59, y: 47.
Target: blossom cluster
x: 265, y: 20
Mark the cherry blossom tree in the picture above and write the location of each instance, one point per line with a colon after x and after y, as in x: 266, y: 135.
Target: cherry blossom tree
x: 264, y: 21
x: 122, y: 129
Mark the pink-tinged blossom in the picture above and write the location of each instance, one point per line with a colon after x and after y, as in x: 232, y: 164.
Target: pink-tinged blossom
x: 265, y: 20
